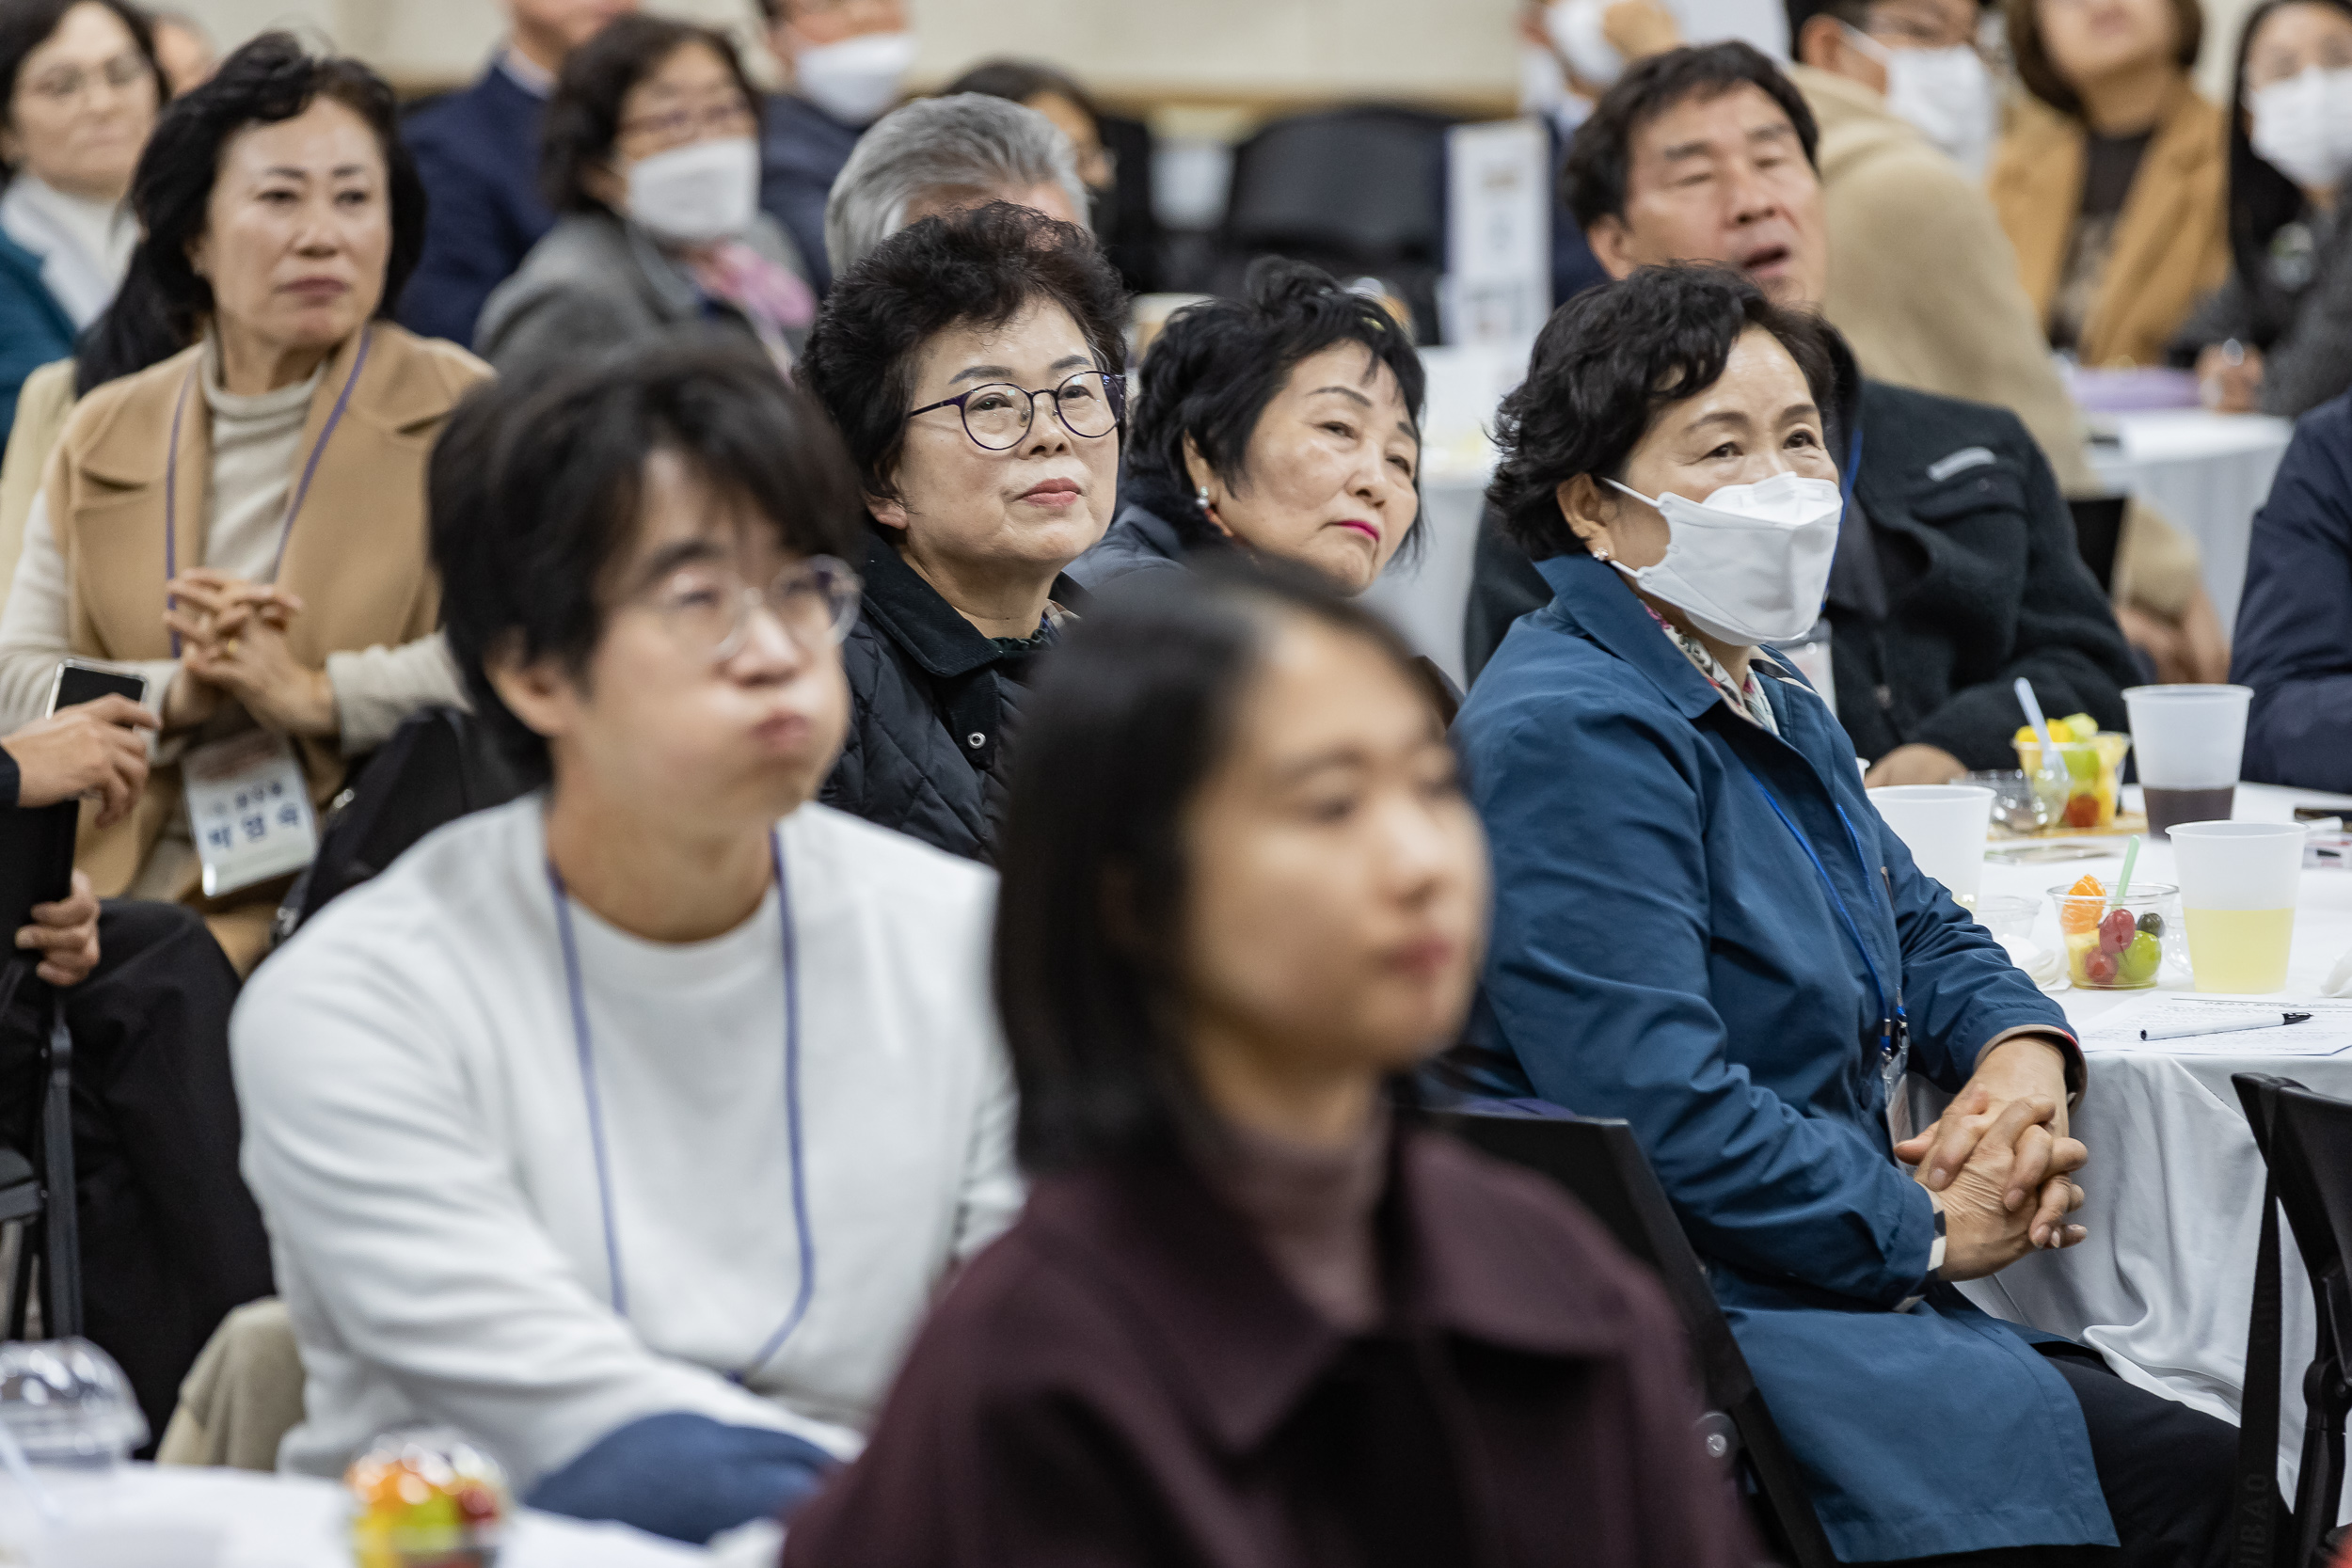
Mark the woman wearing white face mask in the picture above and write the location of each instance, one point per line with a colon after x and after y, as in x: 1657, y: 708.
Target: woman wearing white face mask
x: 1703, y: 926
x: 2277, y: 338
x: 652, y: 155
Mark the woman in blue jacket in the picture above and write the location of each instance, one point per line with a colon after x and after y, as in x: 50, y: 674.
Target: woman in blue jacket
x: 1702, y: 926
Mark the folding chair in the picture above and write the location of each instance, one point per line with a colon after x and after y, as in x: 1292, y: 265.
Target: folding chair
x: 1600, y: 1165
x: 2305, y: 1141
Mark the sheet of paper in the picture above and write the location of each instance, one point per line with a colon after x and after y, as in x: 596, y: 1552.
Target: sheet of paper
x: 2328, y: 1031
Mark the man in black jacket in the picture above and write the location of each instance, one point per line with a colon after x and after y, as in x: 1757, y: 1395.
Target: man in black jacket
x: 2294, y: 623
x: 1956, y: 568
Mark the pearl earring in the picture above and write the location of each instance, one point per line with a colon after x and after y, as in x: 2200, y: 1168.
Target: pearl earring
x: 1200, y: 499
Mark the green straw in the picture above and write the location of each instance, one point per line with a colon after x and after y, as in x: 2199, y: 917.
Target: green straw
x: 2131, y: 857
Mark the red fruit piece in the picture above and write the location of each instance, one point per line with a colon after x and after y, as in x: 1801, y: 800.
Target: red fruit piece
x: 2099, y: 967
x: 2117, y: 931
x: 2082, y: 810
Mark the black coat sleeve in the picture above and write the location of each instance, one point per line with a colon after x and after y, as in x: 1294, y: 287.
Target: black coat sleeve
x: 2066, y: 641
x: 2295, y: 621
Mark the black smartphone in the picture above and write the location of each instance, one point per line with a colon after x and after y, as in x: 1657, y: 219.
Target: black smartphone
x: 78, y: 682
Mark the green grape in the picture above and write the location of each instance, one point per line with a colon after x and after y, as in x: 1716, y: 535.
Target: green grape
x: 2142, y: 959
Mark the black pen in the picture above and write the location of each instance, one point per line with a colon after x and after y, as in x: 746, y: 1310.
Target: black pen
x: 2282, y: 1020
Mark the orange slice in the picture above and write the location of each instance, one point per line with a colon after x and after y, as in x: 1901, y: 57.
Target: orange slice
x: 2085, y: 904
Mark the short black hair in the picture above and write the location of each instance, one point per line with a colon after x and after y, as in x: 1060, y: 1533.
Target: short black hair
x: 1595, y: 174
x: 1609, y: 361
x: 1020, y: 81
x: 982, y: 265
x: 26, y: 25
x: 1215, y: 365
x: 269, y: 80
x: 582, y: 118
x: 1127, y: 719
x: 535, y: 489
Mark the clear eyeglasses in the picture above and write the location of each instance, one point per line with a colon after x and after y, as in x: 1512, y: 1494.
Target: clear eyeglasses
x: 708, y: 610
x: 998, y: 415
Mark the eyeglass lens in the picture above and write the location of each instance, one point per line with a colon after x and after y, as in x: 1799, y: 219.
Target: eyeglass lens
x: 997, y: 416
x: 708, y: 610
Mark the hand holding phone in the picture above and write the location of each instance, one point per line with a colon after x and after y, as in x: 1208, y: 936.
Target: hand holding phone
x: 92, y: 748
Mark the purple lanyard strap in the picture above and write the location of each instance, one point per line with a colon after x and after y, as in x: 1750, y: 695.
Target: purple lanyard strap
x: 294, y: 504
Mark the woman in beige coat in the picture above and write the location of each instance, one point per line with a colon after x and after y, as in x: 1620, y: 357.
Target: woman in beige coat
x: 2112, y: 178
x: 243, y: 523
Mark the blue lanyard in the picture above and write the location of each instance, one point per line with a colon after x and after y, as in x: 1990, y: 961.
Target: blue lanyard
x: 1894, y: 1025
x: 791, y: 1106
x: 294, y: 506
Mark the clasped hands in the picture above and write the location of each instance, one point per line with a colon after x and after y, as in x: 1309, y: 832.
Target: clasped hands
x: 1999, y: 1161
x: 233, y: 644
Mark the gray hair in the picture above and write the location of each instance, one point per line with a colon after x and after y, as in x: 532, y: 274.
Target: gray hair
x: 968, y: 142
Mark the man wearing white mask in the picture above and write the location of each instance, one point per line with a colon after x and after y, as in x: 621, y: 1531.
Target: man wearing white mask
x: 844, y: 62
x: 653, y: 159
x: 1955, y: 568
x: 477, y: 153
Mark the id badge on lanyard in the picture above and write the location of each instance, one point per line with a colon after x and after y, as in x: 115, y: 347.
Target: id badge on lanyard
x: 248, y: 811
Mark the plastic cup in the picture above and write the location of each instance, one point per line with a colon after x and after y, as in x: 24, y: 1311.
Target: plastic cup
x: 2238, y: 885
x: 1944, y: 826
x: 2189, y: 739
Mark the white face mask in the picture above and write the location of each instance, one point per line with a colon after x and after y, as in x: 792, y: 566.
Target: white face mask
x: 1946, y: 93
x: 1750, y: 563
x: 2303, y: 127
x: 1575, y: 29
x: 857, y: 79
x: 695, y: 195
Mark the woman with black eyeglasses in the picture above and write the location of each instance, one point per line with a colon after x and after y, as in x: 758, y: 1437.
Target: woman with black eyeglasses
x: 971, y: 363
x: 650, y: 157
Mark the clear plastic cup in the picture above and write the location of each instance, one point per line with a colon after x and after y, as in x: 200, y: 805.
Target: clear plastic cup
x: 2189, y: 739
x: 2116, y: 943
x: 1944, y: 826
x: 2238, y: 887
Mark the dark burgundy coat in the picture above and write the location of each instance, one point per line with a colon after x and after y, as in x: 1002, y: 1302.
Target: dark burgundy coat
x: 1124, y: 1379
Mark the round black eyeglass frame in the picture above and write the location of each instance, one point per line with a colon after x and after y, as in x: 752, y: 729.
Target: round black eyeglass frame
x: 1114, y: 393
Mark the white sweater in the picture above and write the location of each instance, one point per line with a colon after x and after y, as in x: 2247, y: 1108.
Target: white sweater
x: 417, y: 1133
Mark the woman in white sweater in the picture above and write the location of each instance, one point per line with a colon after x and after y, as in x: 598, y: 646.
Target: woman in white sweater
x: 633, y: 1125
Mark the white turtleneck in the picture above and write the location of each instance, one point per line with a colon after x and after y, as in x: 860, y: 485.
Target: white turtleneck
x: 84, y: 244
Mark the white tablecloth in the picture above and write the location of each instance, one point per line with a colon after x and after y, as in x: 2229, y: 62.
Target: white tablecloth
x: 2163, y: 1284
x: 191, y: 1518
x: 2207, y: 472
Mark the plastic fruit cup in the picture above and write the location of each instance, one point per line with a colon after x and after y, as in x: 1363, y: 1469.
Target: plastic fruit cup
x: 2112, y: 943
x: 2094, y: 771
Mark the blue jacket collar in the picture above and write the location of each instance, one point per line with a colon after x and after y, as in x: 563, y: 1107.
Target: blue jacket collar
x: 1596, y: 601
x: 15, y: 259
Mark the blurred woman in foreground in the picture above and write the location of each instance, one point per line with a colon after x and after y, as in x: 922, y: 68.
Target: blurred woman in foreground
x: 1251, y: 1314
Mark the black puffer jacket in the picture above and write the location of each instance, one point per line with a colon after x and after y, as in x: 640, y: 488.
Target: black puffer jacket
x: 1956, y: 573
x: 930, y: 702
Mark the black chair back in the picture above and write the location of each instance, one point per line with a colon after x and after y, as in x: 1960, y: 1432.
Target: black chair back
x: 2306, y: 1142
x: 2098, y: 532
x: 1599, y: 1164
x: 1354, y: 191
x: 439, y: 766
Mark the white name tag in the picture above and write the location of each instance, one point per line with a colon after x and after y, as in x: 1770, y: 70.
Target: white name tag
x: 248, y: 811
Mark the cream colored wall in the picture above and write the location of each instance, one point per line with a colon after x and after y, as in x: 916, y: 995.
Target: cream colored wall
x: 1249, y: 46
x: 1203, y: 45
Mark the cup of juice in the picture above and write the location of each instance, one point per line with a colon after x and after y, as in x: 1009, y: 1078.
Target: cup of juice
x: 2238, y: 884
x: 2094, y: 760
